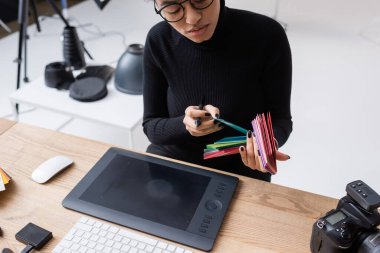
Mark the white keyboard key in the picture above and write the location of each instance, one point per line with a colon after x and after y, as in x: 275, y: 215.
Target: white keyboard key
x: 118, y: 238
x: 83, y: 219
x: 95, y: 231
x: 90, y: 222
x: 161, y: 245
x: 133, y: 243
x: 109, y: 243
x: 133, y: 250
x: 102, y: 233
x: 83, y: 242
x: 94, y: 238
x: 138, y: 237
x: 117, y: 245
x: 141, y: 245
x: 105, y: 226
x: 99, y: 247
x: 110, y: 236
x: 97, y: 224
x: 157, y: 250
x: 84, y: 227
x: 113, y: 230
x: 125, y: 240
x: 171, y: 248
x: 79, y: 233
x: 69, y: 237
x: 102, y: 240
x: 149, y: 248
x: 75, y: 247
x: 179, y: 250
x: 87, y: 235
x: 125, y: 248
x: 107, y: 250
x: 91, y: 244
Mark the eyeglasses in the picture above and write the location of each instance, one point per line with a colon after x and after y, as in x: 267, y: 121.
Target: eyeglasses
x: 174, y: 11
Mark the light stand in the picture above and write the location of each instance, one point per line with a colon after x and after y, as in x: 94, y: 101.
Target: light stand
x: 34, y: 10
x: 23, y: 23
x: 23, y: 12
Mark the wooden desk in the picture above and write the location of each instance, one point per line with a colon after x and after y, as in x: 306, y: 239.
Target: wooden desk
x: 263, y: 217
x: 5, y: 125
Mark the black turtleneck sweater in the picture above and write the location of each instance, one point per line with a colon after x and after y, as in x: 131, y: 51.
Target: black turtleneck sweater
x: 244, y: 69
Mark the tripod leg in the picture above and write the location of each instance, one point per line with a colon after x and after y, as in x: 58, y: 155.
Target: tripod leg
x: 26, y: 79
x: 26, y: 37
x: 21, y: 21
x: 22, y: 15
x: 35, y: 15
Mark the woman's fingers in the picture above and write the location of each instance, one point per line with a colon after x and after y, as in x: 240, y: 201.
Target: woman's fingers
x: 243, y: 154
x: 199, y: 122
x: 206, y: 127
x: 214, y: 111
x: 249, y: 154
x: 194, y: 112
x: 281, y: 156
x: 259, y: 163
x: 250, y: 151
x: 201, y: 132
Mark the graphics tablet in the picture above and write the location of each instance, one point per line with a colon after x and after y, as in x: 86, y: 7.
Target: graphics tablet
x: 171, y: 200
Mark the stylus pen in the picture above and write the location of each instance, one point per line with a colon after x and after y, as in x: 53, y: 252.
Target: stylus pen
x: 236, y: 127
x: 198, y: 121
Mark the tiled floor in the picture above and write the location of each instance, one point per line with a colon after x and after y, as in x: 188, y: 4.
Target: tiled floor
x: 335, y: 98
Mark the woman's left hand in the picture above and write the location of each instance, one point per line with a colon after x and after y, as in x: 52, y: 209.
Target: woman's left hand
x: 250, y: 155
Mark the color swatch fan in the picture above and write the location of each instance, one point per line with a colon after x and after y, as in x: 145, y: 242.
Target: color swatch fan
x: 225, y: 146
x: 4, y: 179
x: 263, y: 131
x: 262, y: 127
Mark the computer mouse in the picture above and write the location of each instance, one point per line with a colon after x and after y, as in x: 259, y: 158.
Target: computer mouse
x: 50, y: 167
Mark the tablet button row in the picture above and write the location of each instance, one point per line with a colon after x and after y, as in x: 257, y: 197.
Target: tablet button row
x: 220, y: 190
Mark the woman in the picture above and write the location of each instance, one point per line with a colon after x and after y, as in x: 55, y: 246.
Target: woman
x: 239, y: 61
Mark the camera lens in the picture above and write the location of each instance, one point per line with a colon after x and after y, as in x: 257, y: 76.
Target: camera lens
x: 371, y: 243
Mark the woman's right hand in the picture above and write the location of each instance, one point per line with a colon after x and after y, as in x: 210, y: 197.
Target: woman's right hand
x: 200, y: 122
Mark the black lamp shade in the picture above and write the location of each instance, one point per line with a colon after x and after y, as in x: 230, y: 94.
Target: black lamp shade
x: 73, y: 52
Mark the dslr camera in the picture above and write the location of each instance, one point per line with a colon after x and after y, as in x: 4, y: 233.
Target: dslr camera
x: 352, y: 226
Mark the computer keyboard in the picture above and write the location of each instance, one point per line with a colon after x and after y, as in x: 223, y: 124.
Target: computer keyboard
x: 90, y: 236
